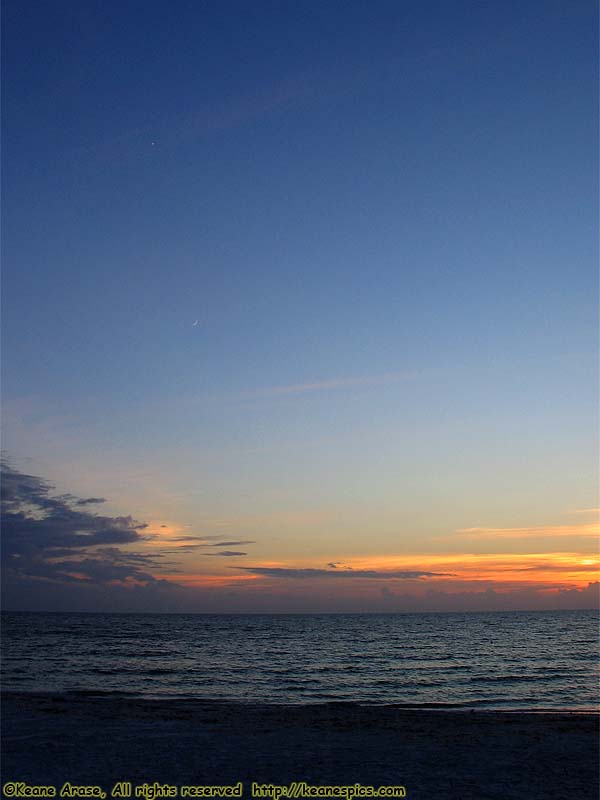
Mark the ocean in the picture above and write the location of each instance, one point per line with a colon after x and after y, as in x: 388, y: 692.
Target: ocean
x: 512, y: 660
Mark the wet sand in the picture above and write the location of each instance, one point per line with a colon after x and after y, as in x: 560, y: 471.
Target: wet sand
x: 434, y: 753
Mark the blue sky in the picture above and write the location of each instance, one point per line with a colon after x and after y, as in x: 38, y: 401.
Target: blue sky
x: 383, y: 217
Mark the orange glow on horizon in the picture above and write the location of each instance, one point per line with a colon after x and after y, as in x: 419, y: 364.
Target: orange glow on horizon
x: 209, y: 581
x: 543, y: 570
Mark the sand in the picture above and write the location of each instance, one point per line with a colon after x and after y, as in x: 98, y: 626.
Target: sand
x: 458, y: 755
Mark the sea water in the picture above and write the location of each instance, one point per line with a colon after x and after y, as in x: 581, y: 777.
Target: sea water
x: 512, y: 660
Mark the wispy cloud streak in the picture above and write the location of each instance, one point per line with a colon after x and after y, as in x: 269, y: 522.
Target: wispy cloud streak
x: 334, y: 383
x: 586, y: 530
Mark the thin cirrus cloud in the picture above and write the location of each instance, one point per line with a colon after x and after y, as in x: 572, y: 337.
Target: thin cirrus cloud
x: 233, y: 544
x: 568, y: 568
x: 585, y: 530
x: 204, y: 541
x: 334, y: 383
x: 187, y: 547
x: 203, y: 121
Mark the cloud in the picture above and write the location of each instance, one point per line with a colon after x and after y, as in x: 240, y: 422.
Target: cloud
x: 201, y: 544
x: 183, y: 539
x: 585, y: 529
x: 206, y: 541
x: 180, y: 548
x: 233, y: 544
x: 55, y: 538
x: 285, y: 572
x: 494, y: 599
x: 186, y: 547
x: 334, y: 383
x: 582, y: 567
x: 151, y: 139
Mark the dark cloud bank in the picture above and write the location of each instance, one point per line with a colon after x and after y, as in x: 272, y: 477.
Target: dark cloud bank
x: 348, y: 573
x: 59, y: 554
x: 59, y: 541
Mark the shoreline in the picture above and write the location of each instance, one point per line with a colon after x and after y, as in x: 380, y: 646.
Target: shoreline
x: 466, y: 754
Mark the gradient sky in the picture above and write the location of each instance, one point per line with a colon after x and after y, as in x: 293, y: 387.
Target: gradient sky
x: 382, y: 217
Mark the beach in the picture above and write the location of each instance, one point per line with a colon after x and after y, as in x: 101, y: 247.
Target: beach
x: 94, y: 739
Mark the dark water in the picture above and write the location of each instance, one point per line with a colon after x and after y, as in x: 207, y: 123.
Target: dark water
x: 499, y: 660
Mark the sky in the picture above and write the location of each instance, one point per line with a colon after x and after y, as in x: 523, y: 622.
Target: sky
x: 300, y: 305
